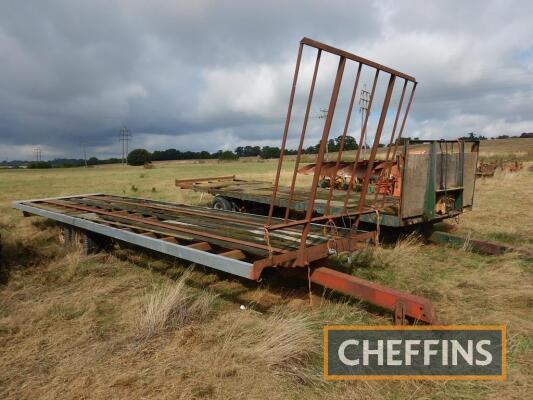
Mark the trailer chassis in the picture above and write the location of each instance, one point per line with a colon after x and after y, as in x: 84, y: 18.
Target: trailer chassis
x: 157, y: 226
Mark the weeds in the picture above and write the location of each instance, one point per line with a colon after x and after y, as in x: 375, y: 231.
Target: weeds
x: 173, y: 306
x: 65, y: 312
x: 104, y: 319
x: 285, y: 344
x: 379, y: 262
x: 467, y: 245
x: 72, y: 261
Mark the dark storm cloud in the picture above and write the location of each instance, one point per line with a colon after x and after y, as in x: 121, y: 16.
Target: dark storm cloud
x: 216, y: 74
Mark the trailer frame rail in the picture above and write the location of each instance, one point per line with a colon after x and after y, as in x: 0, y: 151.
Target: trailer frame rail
x: 135, y: 221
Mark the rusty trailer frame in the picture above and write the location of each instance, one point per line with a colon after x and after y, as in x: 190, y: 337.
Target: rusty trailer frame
x: 245, y: 244
x: 226, y: 241
x: 436, y: 180
x: 307, y: 254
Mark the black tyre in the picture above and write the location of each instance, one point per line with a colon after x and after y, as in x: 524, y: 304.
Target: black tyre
x: 66, y: 235
x: 221, y: 203
x: 89, y: 244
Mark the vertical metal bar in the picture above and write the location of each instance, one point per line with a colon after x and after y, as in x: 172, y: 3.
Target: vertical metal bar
x: 381, y: 123
x: 405, y: 118
x: 461, y: 178
x: 302, y: 135
x: 341, y: 145
x: 320, y: 158
x: 430, y: 200
x: 285, y: 134
x: 388, y: 166
x: 396, y: 121
x: 354, y: 168
x: 398, y: 139
x: 402, y: 174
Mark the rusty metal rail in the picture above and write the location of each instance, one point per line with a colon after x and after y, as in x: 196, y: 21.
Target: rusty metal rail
x: 302, y: 256
x: 187, y: 183
x: 401, y: 304
x: 481, y: 246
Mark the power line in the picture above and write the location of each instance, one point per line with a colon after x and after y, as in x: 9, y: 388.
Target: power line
x: 125, y: 137
x: 363, y: 109
x: 84, y: 153
x: 38, y: 154
x: 323, y: 115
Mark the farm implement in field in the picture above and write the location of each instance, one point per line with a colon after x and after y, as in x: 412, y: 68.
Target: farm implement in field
x: 247, y: 245
x: 226, y: 241
x: 429, y: 181
x: 488, y: 169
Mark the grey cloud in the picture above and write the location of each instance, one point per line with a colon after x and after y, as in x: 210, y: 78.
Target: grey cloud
x: 216, y: 74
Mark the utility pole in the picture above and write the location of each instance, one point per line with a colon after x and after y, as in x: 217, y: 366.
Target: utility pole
x: 363, y: 109
x: 37, y: 153
x: 323, y: 115
x: 125, y: 137
x: 84, y: 154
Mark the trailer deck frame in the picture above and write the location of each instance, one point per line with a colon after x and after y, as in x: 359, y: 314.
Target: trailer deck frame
x: 259, y: 192
x: 160, y: 226
x: 423, y: 184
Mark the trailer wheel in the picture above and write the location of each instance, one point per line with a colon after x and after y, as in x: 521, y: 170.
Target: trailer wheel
x: 83, y: 241
x: 65, y: 235
x: 221, y: 203
x: 88, y: 244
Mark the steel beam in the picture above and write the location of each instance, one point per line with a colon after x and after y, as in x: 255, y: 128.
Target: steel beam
x: 285, y: 133
x: 402, y: 304
x: 147, y: 221
x: 215, y: 261
x: 356, y: 58
x: 481, y: 246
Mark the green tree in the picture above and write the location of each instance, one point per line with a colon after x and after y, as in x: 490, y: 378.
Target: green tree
x: 349, y: 142
x: 239, y: 151
x: 92, y: 161
x: 332, y: 146
x: 39, y: 165
x: 472, y: 136
x: 227, y: 155
x: 270, y: 152
x: 139, y: 157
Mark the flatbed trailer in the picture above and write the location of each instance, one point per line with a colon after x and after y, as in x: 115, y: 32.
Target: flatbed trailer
x: 231, y: 242
x: 247, y: 245
x: 437, y: 182
x: 239, y: 192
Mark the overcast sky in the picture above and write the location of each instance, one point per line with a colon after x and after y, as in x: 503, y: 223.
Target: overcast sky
x: 197, y: 75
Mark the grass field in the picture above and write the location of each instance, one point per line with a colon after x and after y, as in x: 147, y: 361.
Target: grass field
x: 128, y: 325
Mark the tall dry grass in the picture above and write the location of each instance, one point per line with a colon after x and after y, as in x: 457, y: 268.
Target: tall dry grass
x: 404, y: 250
x: 501, y: 209
x: 282, y: 343
x: 173, y: 306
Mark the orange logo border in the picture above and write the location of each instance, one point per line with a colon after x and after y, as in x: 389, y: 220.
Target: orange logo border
x: 502, y: 328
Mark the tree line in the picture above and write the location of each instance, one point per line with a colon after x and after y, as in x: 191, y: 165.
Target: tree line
x: 142, y: 156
